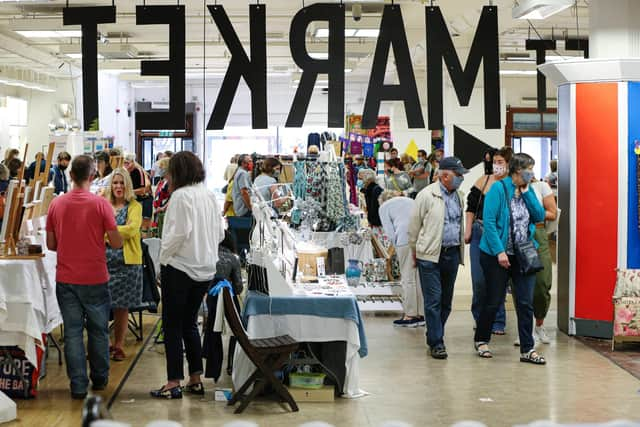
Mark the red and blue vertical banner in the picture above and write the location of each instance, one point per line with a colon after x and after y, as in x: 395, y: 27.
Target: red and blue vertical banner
x: 596, y: 198
x: 633, y: 153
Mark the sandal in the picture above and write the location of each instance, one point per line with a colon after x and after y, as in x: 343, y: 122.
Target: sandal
x: 532, y: 357
x: 118, y: 355
x: 486, y: 353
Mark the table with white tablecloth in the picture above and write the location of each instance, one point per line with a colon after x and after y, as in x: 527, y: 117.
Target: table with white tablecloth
x: 28, y: 304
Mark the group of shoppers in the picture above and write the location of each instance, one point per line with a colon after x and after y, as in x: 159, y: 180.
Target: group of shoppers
x: 505, y: 208
x: 107, y: 273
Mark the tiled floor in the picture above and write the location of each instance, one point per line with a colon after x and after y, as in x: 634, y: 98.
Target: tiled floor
x: 577, y: 385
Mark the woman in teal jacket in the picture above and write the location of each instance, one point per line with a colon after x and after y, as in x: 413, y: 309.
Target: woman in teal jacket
x: 497, y: 255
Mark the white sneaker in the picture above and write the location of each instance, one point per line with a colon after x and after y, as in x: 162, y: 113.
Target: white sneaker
x: 517, y: 342
x: 540, y: 333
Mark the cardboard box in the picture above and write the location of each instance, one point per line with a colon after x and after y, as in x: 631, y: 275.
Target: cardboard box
x: 324, y: 394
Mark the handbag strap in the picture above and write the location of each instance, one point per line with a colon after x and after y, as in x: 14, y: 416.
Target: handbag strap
x: 511, y: 225
x: 481, y: 197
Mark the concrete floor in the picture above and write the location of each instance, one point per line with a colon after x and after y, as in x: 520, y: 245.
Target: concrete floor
x: 576, y: 386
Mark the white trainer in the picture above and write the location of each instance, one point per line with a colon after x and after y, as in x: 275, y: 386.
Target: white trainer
x: 541, y: 335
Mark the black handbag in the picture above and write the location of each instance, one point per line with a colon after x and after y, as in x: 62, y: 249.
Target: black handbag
x: 525, y: 252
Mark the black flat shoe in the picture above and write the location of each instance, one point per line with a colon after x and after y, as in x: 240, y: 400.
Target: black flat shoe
x: 439, y: 353
x: 78, y: 396
x: 162, y: 393
x: 196, y: 388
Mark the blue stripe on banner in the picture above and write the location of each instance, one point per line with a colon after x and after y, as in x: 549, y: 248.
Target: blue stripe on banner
x: 633, y: 233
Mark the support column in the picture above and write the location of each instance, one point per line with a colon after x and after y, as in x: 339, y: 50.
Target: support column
x: 598, y: 230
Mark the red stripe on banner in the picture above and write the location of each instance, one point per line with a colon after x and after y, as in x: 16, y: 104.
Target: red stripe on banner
x: 597, y: 199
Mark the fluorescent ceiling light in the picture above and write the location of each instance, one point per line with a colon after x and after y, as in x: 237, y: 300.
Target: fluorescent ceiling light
x: 539, y: 9
x: 319, y: 55
x: 367, y: 32
x: 52, y: 34
x: 518, y: 72
x: 346, y: 70
x: 120, y: 70
x: 349, y: 32
x: 79, y: 56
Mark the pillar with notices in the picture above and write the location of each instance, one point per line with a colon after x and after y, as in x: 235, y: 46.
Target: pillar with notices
x: 599, y: 139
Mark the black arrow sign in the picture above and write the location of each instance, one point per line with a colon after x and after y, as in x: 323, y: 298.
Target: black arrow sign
x: 469, y: 149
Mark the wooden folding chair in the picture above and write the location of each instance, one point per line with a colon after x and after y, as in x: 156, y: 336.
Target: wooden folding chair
x: 267, y: 354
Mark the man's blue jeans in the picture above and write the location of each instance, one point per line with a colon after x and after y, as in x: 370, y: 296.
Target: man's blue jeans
x: 478, y: 282
x: 90, y: 304
x: 437, y: 281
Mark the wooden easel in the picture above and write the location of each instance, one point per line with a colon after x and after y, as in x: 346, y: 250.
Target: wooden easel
x: 116, y: 162
x: 16, y: 212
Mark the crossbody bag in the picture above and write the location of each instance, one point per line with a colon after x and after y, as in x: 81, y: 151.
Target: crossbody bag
x: 525, y: 252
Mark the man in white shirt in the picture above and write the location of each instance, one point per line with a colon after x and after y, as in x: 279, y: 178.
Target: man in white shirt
x: 395, y: 212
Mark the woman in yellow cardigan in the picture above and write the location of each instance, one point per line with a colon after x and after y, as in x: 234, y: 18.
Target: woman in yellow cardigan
x: 125, y: 265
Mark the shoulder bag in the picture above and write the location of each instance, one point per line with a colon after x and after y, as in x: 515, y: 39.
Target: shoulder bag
x: 475, y: 215
x: 525, y: 252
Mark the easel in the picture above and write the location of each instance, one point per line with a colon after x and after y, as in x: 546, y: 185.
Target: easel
x: 16, y: 212
x: 116, y: 162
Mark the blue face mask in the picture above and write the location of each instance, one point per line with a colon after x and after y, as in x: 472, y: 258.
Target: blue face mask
x: 527, y: 176
x: 359, y: 184
x: 456, y: 182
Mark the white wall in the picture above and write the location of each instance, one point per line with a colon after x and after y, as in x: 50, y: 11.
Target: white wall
x: 114, y: 102
x: 41, y: 111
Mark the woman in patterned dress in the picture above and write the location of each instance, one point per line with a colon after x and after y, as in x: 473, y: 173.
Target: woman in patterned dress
x: 125, y: 265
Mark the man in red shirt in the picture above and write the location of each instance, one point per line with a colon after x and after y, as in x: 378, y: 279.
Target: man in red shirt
x: 76, y: 225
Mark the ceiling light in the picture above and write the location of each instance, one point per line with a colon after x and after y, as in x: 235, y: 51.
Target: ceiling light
x: 79, y: 56
x: 539, y: 9
x: 319, y: 55
x: 349, y: 32
x: 51, y: 34
x: 518, y: 72
x: 368, y: 33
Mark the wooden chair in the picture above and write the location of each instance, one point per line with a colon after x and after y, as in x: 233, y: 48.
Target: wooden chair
x: 267, y: 354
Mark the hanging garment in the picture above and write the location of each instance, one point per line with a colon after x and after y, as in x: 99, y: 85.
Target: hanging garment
x: 335, y: 193
x: 300, y: 181
x: 313, y: 139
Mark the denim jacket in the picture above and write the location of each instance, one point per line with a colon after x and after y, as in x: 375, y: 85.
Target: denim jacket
x: 496, y: 216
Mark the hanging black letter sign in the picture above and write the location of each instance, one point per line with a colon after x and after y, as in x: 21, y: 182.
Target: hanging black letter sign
x: 253, y: 71
x: 333, y: 66
x: 392, y: 32
x: 484, y: 48
x: 541, y: 47
x: 89, y: 18
x: 174, y: 67
x: 578, y: 44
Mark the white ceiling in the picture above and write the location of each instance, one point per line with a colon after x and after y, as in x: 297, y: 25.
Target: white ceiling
x: 43, y: 55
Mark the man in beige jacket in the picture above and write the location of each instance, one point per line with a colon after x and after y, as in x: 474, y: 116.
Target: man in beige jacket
x: 436, y: 235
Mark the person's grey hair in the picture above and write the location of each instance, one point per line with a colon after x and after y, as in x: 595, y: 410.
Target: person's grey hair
x: 131, y: 157
x: 4, y: 172
x: 367, y: 175
x: 519, y: 162
x: 387, y: 195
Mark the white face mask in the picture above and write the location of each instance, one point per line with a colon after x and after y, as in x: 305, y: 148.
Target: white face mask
x: 499, y: 170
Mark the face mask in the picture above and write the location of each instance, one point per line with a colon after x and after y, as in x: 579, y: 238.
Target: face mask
x: 61, y: 167
x: 499, y: 170
x: 250, y: 167
x: 527, y: 176
x: 457, y: 181
x: 276, y: 174
x: 359, y: 184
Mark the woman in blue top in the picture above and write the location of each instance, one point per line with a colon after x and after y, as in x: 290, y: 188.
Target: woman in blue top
x: 497, y: 255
